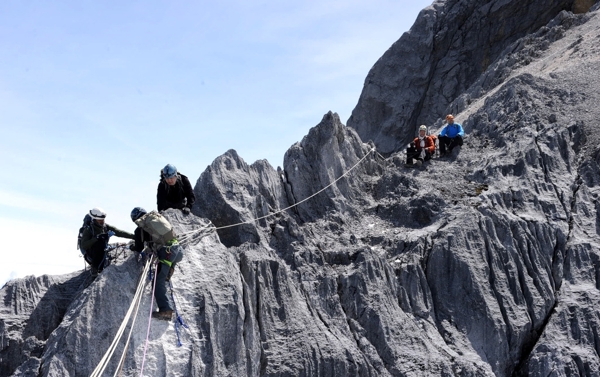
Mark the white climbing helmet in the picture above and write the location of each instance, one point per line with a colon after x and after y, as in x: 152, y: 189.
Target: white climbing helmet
x: 97, y: 213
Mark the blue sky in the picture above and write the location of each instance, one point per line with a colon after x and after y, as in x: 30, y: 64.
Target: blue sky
x: 96, y: 97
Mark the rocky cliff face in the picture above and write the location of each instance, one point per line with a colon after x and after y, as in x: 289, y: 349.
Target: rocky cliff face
x: 483, y: 263
x: 449, y: 47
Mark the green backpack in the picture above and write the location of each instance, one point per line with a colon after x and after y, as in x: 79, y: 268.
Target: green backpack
x: 158, y: 227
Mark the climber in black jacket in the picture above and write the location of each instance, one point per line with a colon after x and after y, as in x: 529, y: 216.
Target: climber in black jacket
x: 174, y: 190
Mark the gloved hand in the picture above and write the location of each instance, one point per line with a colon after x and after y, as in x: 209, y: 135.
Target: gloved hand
x: 111, y: 233
x: 102, y: 237
x: 185, y: 210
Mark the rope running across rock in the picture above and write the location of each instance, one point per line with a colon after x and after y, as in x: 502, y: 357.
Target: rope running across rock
x: 187, y: 236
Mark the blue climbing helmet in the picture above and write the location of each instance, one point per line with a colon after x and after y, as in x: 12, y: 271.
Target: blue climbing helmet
x: 137, y: 212
x: 169, y: 171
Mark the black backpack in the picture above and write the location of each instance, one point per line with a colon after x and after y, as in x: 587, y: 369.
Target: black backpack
x: 87, y: 223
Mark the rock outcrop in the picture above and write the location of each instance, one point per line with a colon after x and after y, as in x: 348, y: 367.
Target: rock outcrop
x: 482, y: 263
x: 451, y: 44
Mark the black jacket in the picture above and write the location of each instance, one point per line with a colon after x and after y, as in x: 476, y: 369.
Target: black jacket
x: 177, y: 196
x: 140, y: 236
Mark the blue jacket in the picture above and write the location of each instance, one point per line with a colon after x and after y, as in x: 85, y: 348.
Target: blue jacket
x: 451, y: 130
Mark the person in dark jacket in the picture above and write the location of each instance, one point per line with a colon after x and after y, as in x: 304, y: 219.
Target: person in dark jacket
x: 151, y: 239
x: 174, y: 191
x: 95, y: 239
x: 450, y: 136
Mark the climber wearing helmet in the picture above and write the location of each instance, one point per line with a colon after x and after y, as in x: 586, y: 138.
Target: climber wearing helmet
x: 154, y: 235
x: 421, y: 149
x: 174, y: 190
x: 450, y: 136
x: 94, y: 239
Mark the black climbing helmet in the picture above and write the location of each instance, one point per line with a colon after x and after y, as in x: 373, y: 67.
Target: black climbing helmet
x: 137, y: 212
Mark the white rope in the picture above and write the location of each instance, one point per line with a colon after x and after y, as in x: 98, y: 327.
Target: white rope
x: 137, y: 297
x: 137, y: 307
x: 149, y: 318
x: 134, y: 306
x: 186, y: 236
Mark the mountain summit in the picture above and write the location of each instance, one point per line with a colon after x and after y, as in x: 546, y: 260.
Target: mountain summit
x: 345, y: 263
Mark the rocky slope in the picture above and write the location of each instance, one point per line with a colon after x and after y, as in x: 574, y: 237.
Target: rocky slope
x: 482, y: 263
x: 449, y: 47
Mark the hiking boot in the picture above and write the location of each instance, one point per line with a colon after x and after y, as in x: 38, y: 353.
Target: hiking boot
x: 171, y: 270
x: 94, y: 271
x: 165, y: 315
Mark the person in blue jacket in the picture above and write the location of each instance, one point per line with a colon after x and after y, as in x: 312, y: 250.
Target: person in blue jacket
x: 450, y: 136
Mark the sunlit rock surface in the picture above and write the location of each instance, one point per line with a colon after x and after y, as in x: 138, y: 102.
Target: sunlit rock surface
x: 482, y: 263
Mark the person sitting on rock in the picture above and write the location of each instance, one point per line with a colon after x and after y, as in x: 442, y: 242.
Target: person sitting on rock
x: 174, y: 190
x: 421, y: 149
x: 450, y: 136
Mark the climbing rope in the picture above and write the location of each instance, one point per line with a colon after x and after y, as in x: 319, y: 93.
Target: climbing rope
x: 122, y: 360
x: 120, y: 250
x: 149, y: 322
x: 186, y: 236
x: 134, y: 305
x: 178, y: 319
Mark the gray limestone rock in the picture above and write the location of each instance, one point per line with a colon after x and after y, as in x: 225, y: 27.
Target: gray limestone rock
x: 482, y: 263
x: 451, y: 44
x: 230, y: 192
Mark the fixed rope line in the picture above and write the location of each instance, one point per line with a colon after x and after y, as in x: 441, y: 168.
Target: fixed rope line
x: 134, y: 304
x: 185, y: 236
x: 122, y: 361
x: 149, y: 318
x: 179, y: 322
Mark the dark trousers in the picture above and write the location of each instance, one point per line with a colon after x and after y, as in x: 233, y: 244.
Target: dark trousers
x: 412, y: 153
x: 174, y: 254
x: 446, y: 143
x: 96, y: 254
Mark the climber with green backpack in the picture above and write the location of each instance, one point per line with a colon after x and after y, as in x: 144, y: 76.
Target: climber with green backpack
x: 155, y: 235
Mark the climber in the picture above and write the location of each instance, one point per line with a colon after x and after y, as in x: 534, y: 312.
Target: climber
x: 174, y: 190
x: 94, y: 238
x: 421, y: 149
x: 155, y: 235
x: 450, y: 136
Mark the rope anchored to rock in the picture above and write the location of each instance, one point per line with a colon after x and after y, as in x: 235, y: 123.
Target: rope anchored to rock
x: 187, y: 236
